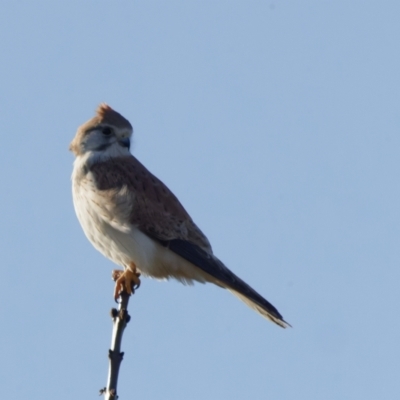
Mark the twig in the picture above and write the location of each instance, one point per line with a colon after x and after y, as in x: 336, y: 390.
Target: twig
x: 120, y: 318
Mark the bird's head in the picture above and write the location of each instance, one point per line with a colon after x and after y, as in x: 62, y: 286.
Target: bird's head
x: 108, y: 132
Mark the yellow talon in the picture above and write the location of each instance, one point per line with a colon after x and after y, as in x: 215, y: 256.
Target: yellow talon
x: 126, y: 280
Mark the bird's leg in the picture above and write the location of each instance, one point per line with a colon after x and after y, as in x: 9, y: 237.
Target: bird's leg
x: 128, y: 280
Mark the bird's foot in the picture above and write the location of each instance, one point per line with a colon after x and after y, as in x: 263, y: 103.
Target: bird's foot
x: 127, y: 280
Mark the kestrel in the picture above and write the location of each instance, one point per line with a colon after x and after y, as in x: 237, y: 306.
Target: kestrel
x: 133, y: 219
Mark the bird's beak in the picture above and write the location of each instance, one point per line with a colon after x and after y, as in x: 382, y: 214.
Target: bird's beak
x: 125, y: 142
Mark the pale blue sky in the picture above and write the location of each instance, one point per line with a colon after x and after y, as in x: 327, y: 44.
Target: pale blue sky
x: 277, y: 125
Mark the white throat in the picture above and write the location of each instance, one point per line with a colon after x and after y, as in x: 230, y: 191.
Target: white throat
x: 91, y: 157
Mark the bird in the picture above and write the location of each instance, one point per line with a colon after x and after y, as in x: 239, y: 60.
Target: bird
x: 134, y: 219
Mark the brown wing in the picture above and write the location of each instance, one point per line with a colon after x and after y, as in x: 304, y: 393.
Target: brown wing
x: 159, y: 214
x: 155, y: 210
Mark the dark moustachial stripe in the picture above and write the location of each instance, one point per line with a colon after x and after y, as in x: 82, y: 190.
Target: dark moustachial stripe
x: 103, y: 147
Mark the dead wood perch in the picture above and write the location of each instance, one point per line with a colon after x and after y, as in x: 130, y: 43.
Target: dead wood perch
x: 120, y: 319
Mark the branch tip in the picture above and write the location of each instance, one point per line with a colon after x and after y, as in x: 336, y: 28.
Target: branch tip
x: 120, y: 319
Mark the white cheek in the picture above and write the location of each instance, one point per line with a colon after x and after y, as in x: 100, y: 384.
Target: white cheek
x: 95, y: 140
x: 115, y: 150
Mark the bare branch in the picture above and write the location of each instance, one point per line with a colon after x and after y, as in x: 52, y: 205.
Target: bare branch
x: 120, y: 318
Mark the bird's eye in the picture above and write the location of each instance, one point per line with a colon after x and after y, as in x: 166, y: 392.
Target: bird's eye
x: 107, y: 131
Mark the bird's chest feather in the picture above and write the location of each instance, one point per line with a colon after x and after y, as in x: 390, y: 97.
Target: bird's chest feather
x: 104, y: 217
x: 90, y: 209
